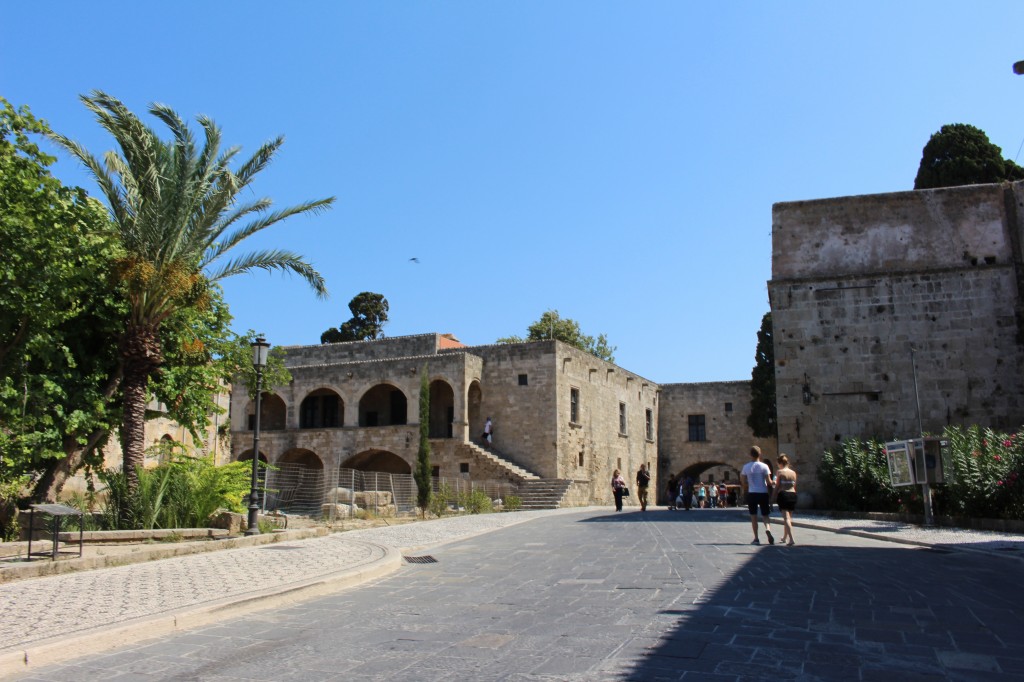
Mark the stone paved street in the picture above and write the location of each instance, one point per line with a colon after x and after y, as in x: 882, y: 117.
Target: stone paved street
x: 596, y: 595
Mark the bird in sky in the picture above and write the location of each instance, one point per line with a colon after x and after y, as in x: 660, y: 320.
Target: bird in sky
x: 415, y: 260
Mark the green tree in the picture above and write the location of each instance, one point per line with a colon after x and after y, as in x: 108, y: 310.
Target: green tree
x: 178, y: 210
x: 369, y: 315
x: 553, y: 326
x: 59, y: 376
x: 763, y: 419
x: 960, y: 154
x: 422, y: 475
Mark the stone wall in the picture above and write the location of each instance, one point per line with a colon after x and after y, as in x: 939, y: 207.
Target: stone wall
x: 725, y: 406
x: 596, y: 437
x: 866, y: 290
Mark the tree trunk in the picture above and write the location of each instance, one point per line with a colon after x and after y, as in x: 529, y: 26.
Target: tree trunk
x: 52, y: 481
x: 140, y: 353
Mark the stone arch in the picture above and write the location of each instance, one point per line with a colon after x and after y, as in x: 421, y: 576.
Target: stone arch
x: 377, y: 460
x: 261, y: 473
x: 273, y: 413
x: 296, y: 483
x: 442, y: 409
x: 383, y: 405
x: 321, y: 409
x: 721, y: 472
x: 474, y: 411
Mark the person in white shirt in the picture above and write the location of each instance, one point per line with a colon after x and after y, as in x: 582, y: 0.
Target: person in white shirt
x: 756, y: 477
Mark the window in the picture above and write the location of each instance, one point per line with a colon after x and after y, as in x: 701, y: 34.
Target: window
x: 574, y: 405
x: 581, y: 459
x: 435, y: 472
x: 728, y: 407
x: 697, y: 432
x: 649, y: 424
x: 463, y: 467
x: 523, y: 380
x: 622, y: 419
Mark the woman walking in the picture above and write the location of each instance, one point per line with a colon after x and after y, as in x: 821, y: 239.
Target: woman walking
x: 618, y: 486
x: 784, y: 493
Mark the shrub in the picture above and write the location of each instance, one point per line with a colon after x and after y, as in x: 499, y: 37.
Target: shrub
x: 439, y: 500
x: 984, y: 479
x: 513, y: 503
x: 987, y: 476
x: 182, y: 493
x: 855, y: 477
x: 476, y: 501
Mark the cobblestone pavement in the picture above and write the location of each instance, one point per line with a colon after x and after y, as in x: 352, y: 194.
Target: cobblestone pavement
x: 595, y: 595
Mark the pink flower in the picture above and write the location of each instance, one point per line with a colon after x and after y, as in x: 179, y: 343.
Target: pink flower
x: 999, y: 482
x: 984, y: 441
x: 998, y: 458
x: 1007, y: 443
x: 975, y: 453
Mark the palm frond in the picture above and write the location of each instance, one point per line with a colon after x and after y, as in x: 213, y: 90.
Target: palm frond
x: 272, y: 260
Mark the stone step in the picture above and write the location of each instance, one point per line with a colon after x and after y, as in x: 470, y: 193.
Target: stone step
x: 543, y: 494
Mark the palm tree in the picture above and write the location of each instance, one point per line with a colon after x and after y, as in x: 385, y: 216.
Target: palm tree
x: 178, y: 210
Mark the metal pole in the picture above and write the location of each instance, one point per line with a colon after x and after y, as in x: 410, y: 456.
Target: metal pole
x: 926, y: 491
x: 254, y: 505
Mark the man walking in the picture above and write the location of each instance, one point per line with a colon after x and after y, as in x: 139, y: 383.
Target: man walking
x: 643, y: 480
x: 756, y: 477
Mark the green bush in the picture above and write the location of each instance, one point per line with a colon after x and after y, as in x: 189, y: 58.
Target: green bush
x: 439, y: 500
x: 476, y: 502
x: 182, y: 493
x: 985, y: 478
x: 513, y: 503
x: 855, y: 477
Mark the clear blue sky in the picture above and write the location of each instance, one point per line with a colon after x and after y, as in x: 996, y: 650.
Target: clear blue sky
x: 616, y: 161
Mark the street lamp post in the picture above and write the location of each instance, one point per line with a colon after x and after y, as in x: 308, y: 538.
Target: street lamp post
x: 259, y: 361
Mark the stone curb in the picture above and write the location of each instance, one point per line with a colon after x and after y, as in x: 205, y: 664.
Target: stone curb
x: 898, y: 540
x: 64, y: 647
x: 10, y: 571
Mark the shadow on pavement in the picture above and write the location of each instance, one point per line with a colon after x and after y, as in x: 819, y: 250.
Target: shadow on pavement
x: 826, y: 613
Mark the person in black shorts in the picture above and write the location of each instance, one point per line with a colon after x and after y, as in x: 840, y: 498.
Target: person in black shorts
x: 756, y: 477
x: 784, y: 493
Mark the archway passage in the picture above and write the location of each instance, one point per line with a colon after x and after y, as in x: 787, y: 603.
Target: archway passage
x: 273, y: 413
x: 383, y: 405
x: 296, y: 483
x: 378, y: 460
x: 321, y: 409
x: 442, y: 409
x: 474, y: 396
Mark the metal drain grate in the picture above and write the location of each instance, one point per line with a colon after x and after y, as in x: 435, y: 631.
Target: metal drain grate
x: 426, y: 559
x: 280, y: 547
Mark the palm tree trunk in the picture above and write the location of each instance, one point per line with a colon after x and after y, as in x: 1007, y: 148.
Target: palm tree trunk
x: 140, y: 353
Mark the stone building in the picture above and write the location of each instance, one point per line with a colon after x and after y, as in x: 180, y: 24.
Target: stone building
x: 703, y: 432
x: 869, y: 291
x: 563, y: 419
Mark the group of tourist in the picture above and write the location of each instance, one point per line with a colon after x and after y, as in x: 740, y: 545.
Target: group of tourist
x: 763, y: 489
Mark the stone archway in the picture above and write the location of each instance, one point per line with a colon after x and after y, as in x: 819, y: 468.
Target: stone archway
x: 273, y: 413
x: 383, y: 405
x: 378, y: 460
x: 321, y: 409
x: 296, y: 483
x: 442, y: 409
x: 474, y: 416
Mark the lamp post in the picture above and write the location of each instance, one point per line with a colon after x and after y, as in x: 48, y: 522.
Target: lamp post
x: 1018, y: 68
x: 259, y: 361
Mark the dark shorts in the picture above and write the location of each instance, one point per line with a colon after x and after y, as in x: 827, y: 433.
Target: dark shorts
x: 787, y: 500
x: 759, y: 500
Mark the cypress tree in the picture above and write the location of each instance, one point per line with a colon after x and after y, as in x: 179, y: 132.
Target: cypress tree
x: 422, y: 475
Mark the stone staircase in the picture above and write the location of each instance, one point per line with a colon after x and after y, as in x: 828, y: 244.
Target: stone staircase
x: 546, y: 493
x: 491, y: 456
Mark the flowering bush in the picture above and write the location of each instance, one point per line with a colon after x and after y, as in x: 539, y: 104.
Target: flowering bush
x: 855, y: 477
x: 985, y: 477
